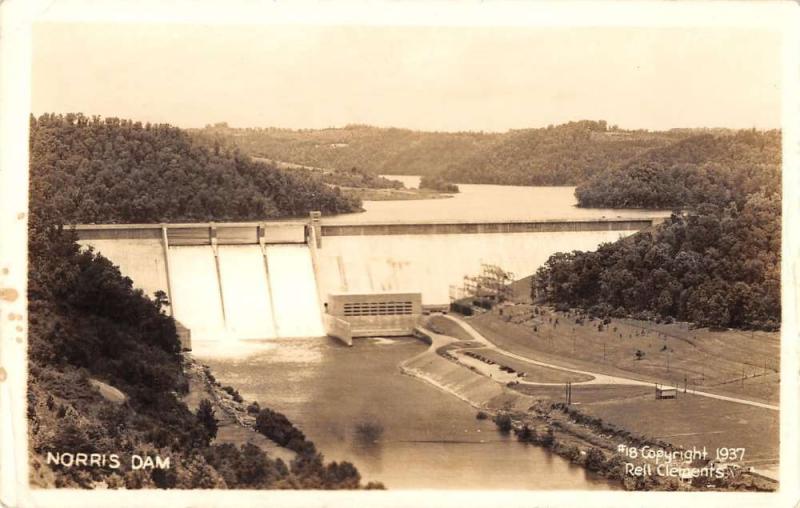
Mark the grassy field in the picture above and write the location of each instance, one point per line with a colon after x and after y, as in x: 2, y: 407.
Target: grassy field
x: 692, y: 420
x: 585, y: 394
x: 735, y: 363
x: 444, y: 326
x: 687, y: 421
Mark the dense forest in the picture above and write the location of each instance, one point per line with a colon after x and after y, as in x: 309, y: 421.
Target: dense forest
x: 88, y: 324
x: 375, y: 150
x: 716, y: 267
x: 717, y: 263
x: 555, y: 155
x: 700, y: 169
x: 111, y: 170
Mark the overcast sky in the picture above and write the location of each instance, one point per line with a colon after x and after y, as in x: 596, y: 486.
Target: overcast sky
x: 490, y: 79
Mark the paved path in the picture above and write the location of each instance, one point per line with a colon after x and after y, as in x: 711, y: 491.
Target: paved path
x: 603, y: 379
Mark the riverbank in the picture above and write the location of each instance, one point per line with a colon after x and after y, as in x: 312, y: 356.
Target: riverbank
x: 537, y: 417
x: 236, y: 425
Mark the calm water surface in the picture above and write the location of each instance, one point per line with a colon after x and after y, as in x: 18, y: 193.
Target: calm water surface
x: 486, y: 203
x: 429, y: 440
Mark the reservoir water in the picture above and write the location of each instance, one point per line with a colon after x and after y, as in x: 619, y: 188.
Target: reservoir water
x: 486, y: 203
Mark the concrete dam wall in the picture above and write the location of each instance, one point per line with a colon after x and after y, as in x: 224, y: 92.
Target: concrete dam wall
x: 431, y: 264
x: 227, y: 281
x: 268, y: 280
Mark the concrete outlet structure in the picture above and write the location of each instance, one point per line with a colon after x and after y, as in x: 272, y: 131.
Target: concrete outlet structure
x: 349, y: 315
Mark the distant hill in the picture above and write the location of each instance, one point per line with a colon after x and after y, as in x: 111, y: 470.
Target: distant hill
x: 703, y: 168
x: 562, y: 155
x: 372, y: 149
x: 556, y: 155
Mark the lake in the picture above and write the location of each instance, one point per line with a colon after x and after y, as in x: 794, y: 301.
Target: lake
x: 486, y: 203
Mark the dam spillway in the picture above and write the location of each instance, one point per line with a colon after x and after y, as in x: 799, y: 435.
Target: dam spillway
x: 246, y: 292
x: 270, y: 280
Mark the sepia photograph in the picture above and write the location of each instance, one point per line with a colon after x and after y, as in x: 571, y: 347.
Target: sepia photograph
x: 417, y: 248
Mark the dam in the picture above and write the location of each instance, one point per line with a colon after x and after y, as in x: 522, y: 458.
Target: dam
x: 256, y: 280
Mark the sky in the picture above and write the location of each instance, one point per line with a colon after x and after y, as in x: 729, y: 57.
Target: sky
x: 427, y: 78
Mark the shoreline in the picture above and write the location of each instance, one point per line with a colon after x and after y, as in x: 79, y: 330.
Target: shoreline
x: 236, y: 424
x: 562, y: 429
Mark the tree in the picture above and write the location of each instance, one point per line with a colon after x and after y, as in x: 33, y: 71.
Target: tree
x: 205, y: 415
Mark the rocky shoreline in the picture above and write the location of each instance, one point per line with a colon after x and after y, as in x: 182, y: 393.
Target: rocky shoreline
x: 237, y: 424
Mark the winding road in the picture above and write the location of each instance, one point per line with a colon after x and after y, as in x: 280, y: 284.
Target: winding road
x: 598, y: 378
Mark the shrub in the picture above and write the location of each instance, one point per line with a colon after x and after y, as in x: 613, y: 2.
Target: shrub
x: 481, y: 415
x: 254, y: 408
x: 503, y: 422
x: 461, y: 307
x: 233, y: 392
x: 369, y: 432
x: 278, y: 428
x: 595, y: 460
x: 549, y: 437
x: 526, y: 434
x: 485, y: 303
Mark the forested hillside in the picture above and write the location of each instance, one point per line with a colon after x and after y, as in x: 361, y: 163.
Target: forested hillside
x: 87, y: 324
x: 716, y: 264
x: 560, y: 155
x: 375, y: 150
x: 110, y: 170
x: 700, y: 169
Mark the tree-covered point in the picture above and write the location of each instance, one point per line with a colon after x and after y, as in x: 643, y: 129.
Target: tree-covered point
x: 715, y: 266
x: 701, y: 169
x: 90, y: 169
x: 437, y: 183
x: 355, y: 177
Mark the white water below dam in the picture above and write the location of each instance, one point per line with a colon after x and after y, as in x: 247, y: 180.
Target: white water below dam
x: 195, y: 291
x: 256, y: 305
x: 245, y: 289
x: 294, y: 289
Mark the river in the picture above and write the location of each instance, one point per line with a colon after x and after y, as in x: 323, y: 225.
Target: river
x: 430, y: 439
